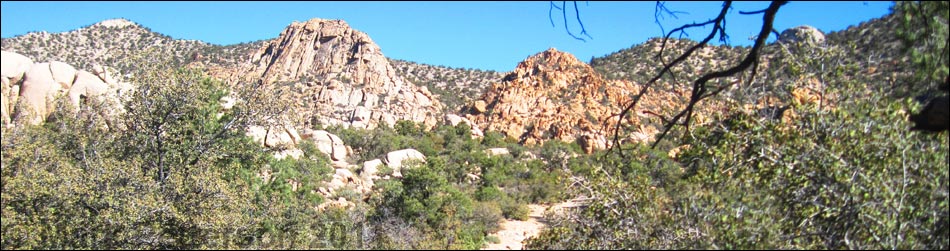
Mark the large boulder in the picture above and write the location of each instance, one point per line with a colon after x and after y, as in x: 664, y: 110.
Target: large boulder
x: 281, y: 135
x: 63, y: 73
x: 327, y: 143
x: 106, y: 74
x: 5, y: 105
x: 12, y: 68
x: 37, y: 92
x: 292, y: 153
x: 480, y: 106
x: 806, y: 35
x: 453, y: 120
x: 346, y: 174
x: 370, y: 169
x: 29, y: 91
x: 395, y: 159
x: 86, y: 85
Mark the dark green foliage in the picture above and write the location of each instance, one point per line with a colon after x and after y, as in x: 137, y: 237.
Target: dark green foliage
x: 924, y: 31
x: 169, y: 174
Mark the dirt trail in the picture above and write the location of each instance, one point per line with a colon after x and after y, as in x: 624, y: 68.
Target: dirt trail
x: 513, y: 232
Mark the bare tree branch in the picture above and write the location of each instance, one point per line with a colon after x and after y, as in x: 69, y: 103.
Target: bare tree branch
x: 563, y: 9
x: 667, y: 67
x: 700, y: 88
x: 658, y: 14
x: 551, y: 10
x: 578, y: 15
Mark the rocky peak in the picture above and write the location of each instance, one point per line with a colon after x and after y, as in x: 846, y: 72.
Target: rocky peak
x: 339, y: 76
x: 115, y: 23
x: 552, y: 95
x: 548, y: 64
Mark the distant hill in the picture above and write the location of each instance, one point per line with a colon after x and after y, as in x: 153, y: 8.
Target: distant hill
x: 455, y: 86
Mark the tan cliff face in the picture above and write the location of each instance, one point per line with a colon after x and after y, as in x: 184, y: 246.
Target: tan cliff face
x: 552, y: 95
x: 338, y: 75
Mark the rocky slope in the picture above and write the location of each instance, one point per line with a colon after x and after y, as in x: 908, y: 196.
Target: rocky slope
x: 552, y: 95
x: 342, y: 62
x: 874, y: 46
x: 338, y: 75
x: 639, y: 62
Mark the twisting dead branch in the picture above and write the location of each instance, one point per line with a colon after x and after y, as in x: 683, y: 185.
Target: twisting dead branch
x: 577, y: 14
x: 660, y: 10
x: 700, y: 89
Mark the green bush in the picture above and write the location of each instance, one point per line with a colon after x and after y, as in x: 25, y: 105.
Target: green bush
x: 149, y: 181
x: 512, y: 209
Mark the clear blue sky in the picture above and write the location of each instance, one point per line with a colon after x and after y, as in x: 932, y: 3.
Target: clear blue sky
x: 483, y: 35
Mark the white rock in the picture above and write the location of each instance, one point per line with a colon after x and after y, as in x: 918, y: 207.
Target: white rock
x: 361, y: 114
x: 805, y: 34
x: 13, y: 65
x: 395, y: 159
x: 496, y: 151
x: 64, y: 74
x: 370, y: 169
x: 327, y: 143
x: 292, y: 153
x: 86, y: 85
x: 37, y: 91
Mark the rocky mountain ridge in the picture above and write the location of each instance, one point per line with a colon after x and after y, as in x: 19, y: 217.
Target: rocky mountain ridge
x: 339, y: 76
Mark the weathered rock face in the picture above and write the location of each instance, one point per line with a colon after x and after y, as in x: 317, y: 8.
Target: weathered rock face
x: 86, y: 84
x: 30, y: 89
x: 37, y: 91
x: 339, y: 76
x: 13, y: 66
x: 327, y: 143
x: 277, y: 135
x: 552, y: 95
